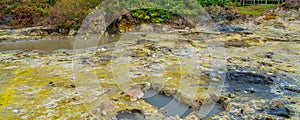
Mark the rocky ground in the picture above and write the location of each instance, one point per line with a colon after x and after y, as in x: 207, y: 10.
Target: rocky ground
x: 249, y: 73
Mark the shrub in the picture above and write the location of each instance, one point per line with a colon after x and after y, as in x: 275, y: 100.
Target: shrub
x: 206, y: 3
x: 25, y: 16
x: 153, y: 15
x: 155, y: 11
x: 70, y: 13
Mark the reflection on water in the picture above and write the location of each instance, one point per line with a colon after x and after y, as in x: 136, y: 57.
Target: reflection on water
x: 54, y: 43
x: 168, y: 105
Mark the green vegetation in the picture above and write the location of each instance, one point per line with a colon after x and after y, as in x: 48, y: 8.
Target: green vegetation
x: 155, y: 11
x: 153, y: 15
x: 26, y: 16
x: 256, y: 10
x: 70, y: 13
x: 214, y: 2
x: 62, y: 13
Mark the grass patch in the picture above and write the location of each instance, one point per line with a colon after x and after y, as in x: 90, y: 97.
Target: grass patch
x: 255, y: 10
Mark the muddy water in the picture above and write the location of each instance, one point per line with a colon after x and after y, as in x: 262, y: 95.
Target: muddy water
x: 49, y: 44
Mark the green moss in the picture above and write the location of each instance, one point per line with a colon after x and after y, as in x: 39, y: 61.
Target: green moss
x: 256, y: 10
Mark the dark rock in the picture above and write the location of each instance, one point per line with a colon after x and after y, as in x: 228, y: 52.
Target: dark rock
x: 257, y: 86
x: 280, y: 111
x: 250, y: 84
x: 269, y: 54
x: 248, y: 77
x: 52, y: 84
x: 293, y: 89
x: 229, y: 28
x: 265, y: 64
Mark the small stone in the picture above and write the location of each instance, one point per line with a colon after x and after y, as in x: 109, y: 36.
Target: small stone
x: 231, y: 95
x: 194, y: 31
x: 269, y: 54
x: 15, y: 111
x: 72, y: 32
x: 104, y: 113
x: 148, y: 85
x: 101, y: 49
x: 10, y: 107
x: 134, y: 94
x: 24, y: 117
x: 251, y: 90
x: 214, y: 79
x: 247, y: 32
x: 107, y: 106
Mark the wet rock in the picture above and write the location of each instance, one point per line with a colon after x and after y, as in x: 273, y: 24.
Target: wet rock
x: 244, y: 81
x: 134, y: 94
x: 263, y: 91
x: 248, y: 77
x: 280, y: 111
x: 217, y: 109
x: 229, y: 28
x: 130, y: 115
x: 292, y: 88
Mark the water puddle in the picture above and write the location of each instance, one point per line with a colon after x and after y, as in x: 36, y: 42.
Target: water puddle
x: 130, y: 115
x: 167, y: 105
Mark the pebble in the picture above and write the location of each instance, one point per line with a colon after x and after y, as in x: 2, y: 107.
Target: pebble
x: 15, y: 111
x: 24, y: 117
x: 104, y: 113
x: 148, y: 85
x: 107, y: 106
